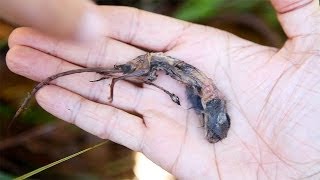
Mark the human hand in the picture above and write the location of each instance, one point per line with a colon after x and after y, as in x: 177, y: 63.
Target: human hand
x: 273, y: 94
x: 72, y: 19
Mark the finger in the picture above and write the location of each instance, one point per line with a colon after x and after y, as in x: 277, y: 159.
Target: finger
x: 144, y: 29
x: 101, y: 120
x: 298, y: 17
x: 160, y: 33
x: 104, y: 53
x: 66, y: 19
x: 37, y: 65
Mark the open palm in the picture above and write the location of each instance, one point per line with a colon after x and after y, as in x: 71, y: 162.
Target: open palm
x: 273, y: 94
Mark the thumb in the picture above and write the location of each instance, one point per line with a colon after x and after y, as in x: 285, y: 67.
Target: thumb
x: 298, y: 17
x: 73, y: 19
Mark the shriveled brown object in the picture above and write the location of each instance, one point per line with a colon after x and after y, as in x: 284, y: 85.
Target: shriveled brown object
x: 203, y: 95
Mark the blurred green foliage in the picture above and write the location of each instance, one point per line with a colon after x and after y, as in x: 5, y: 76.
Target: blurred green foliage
x: 5, y: 176
x: 3, y: 44
x: 34, y: 115
x: 5, y: 111
x: 199, y: 10
x: 194, y: 10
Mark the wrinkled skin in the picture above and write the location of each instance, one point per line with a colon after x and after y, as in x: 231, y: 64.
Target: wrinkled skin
x: 273, y: 94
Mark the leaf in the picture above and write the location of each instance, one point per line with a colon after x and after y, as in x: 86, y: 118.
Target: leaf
x: 25, y: 176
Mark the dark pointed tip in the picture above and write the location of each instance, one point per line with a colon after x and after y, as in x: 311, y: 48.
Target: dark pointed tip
x: 175, y: 99
x: 110, y: 99
x: 12, y: 121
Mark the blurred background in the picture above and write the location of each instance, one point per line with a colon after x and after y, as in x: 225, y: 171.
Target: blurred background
x: 37, y: 138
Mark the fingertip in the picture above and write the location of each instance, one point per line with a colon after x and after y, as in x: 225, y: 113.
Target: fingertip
x: 16, y: 36
x: 45, y: 94
x: 27, y: 36
x: 286, y: 6
x: 28, y: 62
x: 53, y: 99
x: 13, y: 57
x: 42, y: 96
x: 297, y: 17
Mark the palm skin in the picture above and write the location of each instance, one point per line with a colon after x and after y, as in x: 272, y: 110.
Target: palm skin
x: 273, y: 95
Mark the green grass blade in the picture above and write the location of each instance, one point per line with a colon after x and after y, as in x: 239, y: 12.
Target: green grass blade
x: 58, y: 162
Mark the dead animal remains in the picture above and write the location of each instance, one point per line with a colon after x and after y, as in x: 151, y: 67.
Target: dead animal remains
x: 203, y: 95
